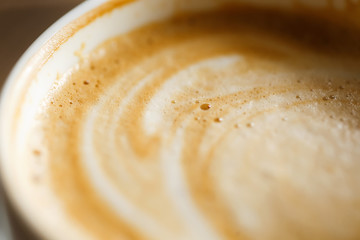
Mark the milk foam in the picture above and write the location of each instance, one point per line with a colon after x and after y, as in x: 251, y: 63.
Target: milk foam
x: 275, y: 156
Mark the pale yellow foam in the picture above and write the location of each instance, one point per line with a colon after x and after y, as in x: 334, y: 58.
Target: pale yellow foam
x: 274, y: 155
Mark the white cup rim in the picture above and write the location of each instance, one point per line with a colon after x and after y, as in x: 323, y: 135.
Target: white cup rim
x: 23, y: 62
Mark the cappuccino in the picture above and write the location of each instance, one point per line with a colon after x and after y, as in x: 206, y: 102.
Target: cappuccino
x: 235, y: 123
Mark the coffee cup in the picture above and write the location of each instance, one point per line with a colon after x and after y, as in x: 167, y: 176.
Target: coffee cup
x: 214, y: 119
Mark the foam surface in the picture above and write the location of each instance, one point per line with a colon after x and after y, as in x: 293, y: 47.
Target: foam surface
x: 233, y: 124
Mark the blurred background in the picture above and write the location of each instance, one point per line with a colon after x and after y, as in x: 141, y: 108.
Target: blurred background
x: 21, y: 22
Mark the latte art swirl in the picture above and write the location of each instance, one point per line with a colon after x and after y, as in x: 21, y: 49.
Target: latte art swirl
x: 236, y: 124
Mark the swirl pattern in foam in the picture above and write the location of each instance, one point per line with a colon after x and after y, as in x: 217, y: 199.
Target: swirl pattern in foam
x: 232, y: 124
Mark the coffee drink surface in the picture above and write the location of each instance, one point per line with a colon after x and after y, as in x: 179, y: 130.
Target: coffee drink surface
x: 239, y: 123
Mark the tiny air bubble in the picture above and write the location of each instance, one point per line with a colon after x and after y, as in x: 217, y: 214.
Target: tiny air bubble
x: 218, y: 120
x: 250, y: 125
x: 205, y: 106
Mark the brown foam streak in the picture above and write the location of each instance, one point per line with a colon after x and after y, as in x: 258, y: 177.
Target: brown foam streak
x: 131, y: 122
x: 330, y: 13
x: 139, y: 143
x: 71, y: 184
x: 256, y: 95
x: 202, y: 188
x: 253, y: 116
x: 203, y: 192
